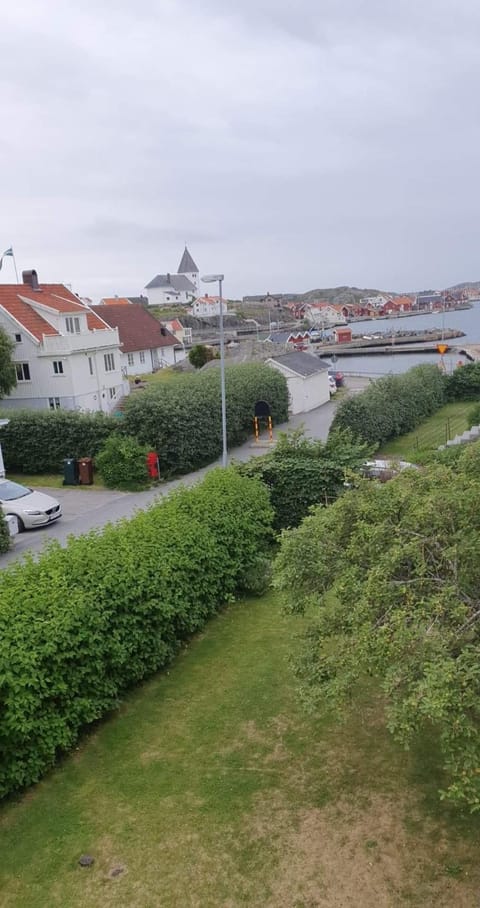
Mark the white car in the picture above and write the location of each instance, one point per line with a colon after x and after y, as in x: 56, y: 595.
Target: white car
x: 31, y: 509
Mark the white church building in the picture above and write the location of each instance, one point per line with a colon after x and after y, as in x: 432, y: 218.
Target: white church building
x: 173, y: 289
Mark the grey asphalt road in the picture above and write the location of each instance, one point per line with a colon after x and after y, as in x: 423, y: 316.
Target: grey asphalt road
x: 87, y: 509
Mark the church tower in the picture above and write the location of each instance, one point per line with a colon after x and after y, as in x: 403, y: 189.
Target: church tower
x: 188, y: 267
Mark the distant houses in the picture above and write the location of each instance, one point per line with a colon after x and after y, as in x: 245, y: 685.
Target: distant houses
x: 146, y: 344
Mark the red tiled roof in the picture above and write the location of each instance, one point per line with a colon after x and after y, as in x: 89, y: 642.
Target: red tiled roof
x: 115, y: 301
x: 174, y: 324
x: 15, y: 299
x: 138, y: 329
x: 28, y: 318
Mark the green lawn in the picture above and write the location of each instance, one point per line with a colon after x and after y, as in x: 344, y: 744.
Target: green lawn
x: 211, y: 787
x: 51, y: 481
x: 163, y: 376
x: 449, y: 421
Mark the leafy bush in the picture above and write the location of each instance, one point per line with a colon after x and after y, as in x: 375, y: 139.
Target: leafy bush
x: 393, y: 575
x: 199, y: 355
x: 182, y: 420
x: 122, y: 463
x: 300, y: 472
x: 82, y: 624
x: 5, y: 540
x: 37, y: 441
x: 392, y: 405
x: 474, y: 416
x: 463, y: 383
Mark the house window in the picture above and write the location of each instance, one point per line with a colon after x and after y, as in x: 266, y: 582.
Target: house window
x: 109, y: 361
x: 18, y: 338
x: 142, y: 356
x: 90, y: 365
x: 73, y: 325
x: 54, y: 403
x: 23, y: 371
x: 130, y: 359
x: 112, y: 393
x: 57, y: 367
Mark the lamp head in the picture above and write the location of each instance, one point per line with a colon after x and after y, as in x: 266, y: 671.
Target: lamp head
x: 212, y: 278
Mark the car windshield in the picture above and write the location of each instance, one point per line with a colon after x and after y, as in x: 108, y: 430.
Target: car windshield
x: 9, y: 491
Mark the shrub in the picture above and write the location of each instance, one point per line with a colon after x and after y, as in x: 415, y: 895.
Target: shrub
x: 463, y: 383
x: 474, y: 416
x: 182, y: 420
x: 392, y: 406
x: 199, y: 355
x: 83, y: 623
x: 5, y: 540
x: 300, y: 472
x: 122, y: 463
x: 38, y: 441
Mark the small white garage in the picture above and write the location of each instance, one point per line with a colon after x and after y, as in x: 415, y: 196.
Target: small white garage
x: 307, y: 379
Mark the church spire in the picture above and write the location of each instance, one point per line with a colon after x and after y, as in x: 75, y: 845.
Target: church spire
x: 187, y: 265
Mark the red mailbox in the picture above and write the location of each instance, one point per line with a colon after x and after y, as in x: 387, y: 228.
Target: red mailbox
x: 152, y: 465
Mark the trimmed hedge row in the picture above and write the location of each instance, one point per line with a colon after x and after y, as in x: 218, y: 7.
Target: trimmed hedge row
x: 182, y: 420
x: 37, y: 441
x: 393, y: 405
x: 84, y: 623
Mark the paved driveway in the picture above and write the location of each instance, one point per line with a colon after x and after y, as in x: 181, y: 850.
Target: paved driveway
x: 85, y: 509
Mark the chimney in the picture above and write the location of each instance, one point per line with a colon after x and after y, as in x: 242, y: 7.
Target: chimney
x: 31, y: 278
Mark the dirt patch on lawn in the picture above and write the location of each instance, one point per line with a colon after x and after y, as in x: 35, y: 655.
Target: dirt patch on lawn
x: 362, y: 856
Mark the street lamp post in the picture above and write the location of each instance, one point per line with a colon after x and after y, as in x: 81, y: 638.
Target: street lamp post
x: 212, y: 279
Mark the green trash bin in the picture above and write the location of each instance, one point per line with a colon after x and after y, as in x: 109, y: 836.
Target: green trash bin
x: 70, y: 472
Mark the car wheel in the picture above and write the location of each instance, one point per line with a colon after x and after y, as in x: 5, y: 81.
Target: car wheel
x: 20, y: 526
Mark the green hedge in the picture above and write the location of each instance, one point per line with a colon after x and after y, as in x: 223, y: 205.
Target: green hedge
x: 5, y: 540
x: 392, y: 405
x: 82, y: 624
x: 182, y: 420
x: 464, y: 383
x: 37, y: 441
x: 122, y: 463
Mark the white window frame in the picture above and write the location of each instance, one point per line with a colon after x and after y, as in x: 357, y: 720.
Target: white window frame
x: 54, y: 403
x: 18, y: 338
x: 58, y: 367
x: 109, y: 362
x: 112, y: 393
x: 21, y: 367
x: 142, y: 356
x: 72, y: 323
x: 130, y: 359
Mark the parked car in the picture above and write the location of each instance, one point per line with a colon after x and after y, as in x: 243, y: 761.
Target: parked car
x: 332, y: 384
x: 30, y: 508
x: 385, y: 469
x: 338, y: 376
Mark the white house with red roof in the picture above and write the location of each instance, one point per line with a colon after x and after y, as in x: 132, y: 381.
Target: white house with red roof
x: 147, y: 345
x: 66, y: 356
x: 208, y: 306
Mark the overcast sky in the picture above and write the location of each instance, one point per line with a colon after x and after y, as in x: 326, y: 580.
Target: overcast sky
x: 291, y: 144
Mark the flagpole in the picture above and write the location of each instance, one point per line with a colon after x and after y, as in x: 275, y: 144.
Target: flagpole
x: 15, y: 264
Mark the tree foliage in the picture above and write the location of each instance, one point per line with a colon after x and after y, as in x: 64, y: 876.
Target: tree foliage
x: 81, y: 624
x: 301, y: 472
x: 392, y: 405
x: 393, y: 574
x: 8, y: 376
x: 181, y: 421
